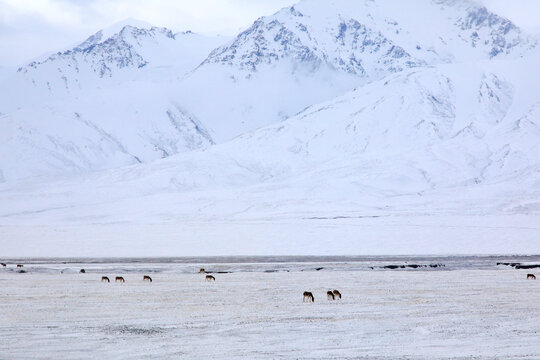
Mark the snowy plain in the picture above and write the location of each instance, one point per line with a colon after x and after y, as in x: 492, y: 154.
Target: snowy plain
x: 385, y: 235
x: 478, y: 311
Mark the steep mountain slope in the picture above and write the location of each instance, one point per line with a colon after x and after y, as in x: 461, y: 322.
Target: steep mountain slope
x: 404, y: 144
x: 430, y: 160
x: 98, y: 132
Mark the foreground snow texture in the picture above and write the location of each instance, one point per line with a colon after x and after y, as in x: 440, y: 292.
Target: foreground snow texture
x: 458, y: 314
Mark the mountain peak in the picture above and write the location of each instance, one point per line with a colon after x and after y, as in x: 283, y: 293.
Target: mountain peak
x: 120, y: 29
x: 120, y: 25
x: 122, y: 45
x: 374, y: 37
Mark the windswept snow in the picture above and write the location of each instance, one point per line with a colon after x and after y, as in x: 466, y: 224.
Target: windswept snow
x: 480, y: 314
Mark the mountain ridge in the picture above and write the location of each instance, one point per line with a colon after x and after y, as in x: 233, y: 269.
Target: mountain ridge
x: 313, y: 51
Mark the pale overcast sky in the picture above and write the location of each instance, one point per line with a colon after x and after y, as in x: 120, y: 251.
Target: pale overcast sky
x: 30, y: 28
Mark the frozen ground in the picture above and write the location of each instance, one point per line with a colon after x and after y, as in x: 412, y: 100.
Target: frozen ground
x: 385, y: 235
x: 473, y: 312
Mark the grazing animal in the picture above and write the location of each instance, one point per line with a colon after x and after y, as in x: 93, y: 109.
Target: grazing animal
x: 20, y: 265
x: 308, y: 296
x: 119, y: 278
x: 105, y: 278
x: 82, y: 271
x: 210, y: 278
x: 202, y: 271
x: 4, y: 264
x: 330, y: 295
x: 337, y: 294
x: 146, y: 277
x: 531, y: 276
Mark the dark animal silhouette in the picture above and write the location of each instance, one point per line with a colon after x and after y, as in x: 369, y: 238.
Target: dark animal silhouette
x: 104, y: 278
x: 337, y: 294
x: 146, y: 277
x: 330, y: 295
x: 531, y: 276
x: 4, y: 264
x: 210, y: 278
x: 82, y: 271
x: 20, y: 265
x: 202, y: 271
x: 119, y: 278
x: 308, y: 296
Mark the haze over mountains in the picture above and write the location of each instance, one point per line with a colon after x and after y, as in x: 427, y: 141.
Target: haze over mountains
x: 324, y: 111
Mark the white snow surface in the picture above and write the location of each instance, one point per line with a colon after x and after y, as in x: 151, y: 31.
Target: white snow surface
x: 480, y: 314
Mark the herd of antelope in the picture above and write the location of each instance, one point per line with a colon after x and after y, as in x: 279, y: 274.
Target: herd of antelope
x: 122, y: 280
x: 18, y: 265
x: 308, y: 296
x: 330, y: 295
x: 145, y: 277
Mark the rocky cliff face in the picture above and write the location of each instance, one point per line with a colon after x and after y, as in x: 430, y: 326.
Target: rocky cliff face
x: 373, y: 38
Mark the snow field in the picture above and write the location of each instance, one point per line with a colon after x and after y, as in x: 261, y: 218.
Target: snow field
x: 462, y: 314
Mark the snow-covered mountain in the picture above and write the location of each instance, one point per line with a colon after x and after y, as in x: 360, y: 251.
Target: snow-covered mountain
x: 127, y: 79
x: 102, y: 104
x: 104, y: 56
x: 125, y: 52
x: 415, y: 137
x: 325, y: 110
x: 374, y: 38
x: 414, y: 158
x: 316, y: 50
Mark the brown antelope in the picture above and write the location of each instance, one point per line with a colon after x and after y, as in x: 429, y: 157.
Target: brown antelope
x: 202, y: 271
x: 210, y: 278
x: 4, y: 264
x: 104, y: 278
x: 146, y: 277
x: 119, y: 278
x: 337, y: 294
x: 330, y: 295
x: 20, y: 265
x: 531, y: 276
x: 308, y: 296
